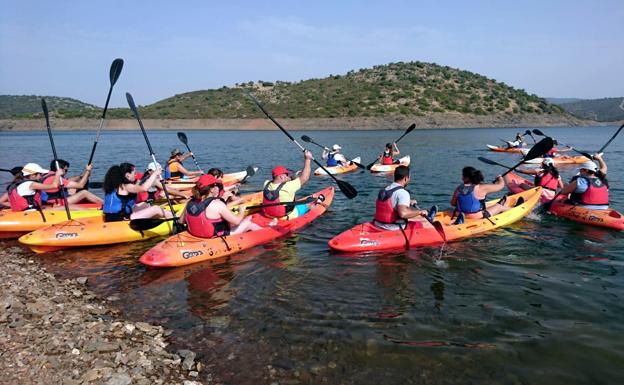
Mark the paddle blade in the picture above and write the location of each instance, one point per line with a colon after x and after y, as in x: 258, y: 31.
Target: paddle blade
x: 360, y: 165
x: 440, y: 229
x: 145, y: 223
x: 132, y: 105
x: 306, y: 138
x: 115, y: 70
x: 538, y: 132
x: 44, y: 106
x: 182, y: 137
x: 410, y: 128
x: 370, y: 165
x: 527, y: 132
x: 251, y: 171
x: 349, y: 191
x: 539, y: 149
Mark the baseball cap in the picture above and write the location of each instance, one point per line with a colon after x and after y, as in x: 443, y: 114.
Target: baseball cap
x: 33, y: 168
x: 153, y: 165
x: 279, y: 170
x: 207, y: 180
x: 589, y: 165
x: 336, y: 147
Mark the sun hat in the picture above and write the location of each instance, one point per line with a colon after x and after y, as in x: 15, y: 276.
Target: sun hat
x: 176, y: 152
x: 33, y: 168
x: 153, y: 165
x: 279, y: 170
x: 336, y: 147
x: 208, y: 180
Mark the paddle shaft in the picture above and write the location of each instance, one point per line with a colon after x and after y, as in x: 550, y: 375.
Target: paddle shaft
x: 540, y: 133
x: 407, y: 131
x: 184, y: 139
x: 61, y: 187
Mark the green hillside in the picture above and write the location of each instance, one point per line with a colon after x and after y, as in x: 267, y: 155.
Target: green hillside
x: 408, y: 89
x: 602, y: 110
x: 28, y: 106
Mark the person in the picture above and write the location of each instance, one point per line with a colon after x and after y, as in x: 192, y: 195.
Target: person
x: 120, y: 195
x: 547, y: 176
x: 207, y: 216
x: 590, y: 189
x: 469, y: 197
x: 334, y: 157
x: 175, y: 168
x: 26, y: 188
x: 518, y: 142
x: 394, y: 206
x: 228, y: 193
x: 387, y: 157
x: 55, y: 197
x: 156, y: 190
x: 4, y: 198
x: 282, y: 188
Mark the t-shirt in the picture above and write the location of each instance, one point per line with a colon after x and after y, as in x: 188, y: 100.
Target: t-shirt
x: 287, y: 193
x: 24, y: 189
x: 399, y: 197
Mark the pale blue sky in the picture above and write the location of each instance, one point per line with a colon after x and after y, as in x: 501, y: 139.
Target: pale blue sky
x: 64, y: 48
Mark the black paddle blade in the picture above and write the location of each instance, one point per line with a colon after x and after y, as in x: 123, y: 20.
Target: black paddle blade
x: 132, y: 105
x: 349, y: 191
x: 44, y: 106
x: 538, y: 132
x: 539, y: 149
x: 370, y: 165
x: 251, y: 171
x: 146, y: 223
x: 527, y: 132
x: 306, y: 138
x: 440, y: 229
x: 410, y: 128
x: 115, y: 70
x: 360, y: 165
x: 182, y: 137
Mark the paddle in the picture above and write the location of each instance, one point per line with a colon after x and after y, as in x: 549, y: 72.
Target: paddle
x: 528, y: 132
x: 176, y: 226
x: 588, y: 156
x: 58, y: 169
x: 14, y: 170
x: 184, y: 139
x: 348, y: 190
x: 488, y: 161
x: 538, y: 150
x: 610, y: 140
x: 251, y: 171
x: 115, y: 71
x: 306, y: 138
x: 149, y: 223
x: 409, y: 129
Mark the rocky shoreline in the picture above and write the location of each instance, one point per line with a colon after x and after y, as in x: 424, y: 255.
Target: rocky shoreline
x: 60, y: 332
x: 435, y: 120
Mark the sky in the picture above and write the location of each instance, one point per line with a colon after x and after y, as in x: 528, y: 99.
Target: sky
x: 65, y: 48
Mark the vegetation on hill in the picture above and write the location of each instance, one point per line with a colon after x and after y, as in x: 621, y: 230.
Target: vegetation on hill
x: 407, y: 89
x: 602, y: 110
x: 29, y: 106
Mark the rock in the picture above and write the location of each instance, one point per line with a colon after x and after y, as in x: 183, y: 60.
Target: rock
x: 188, y: 382
x: 129, y: 328
x: 112, y: 298
x: 193, y: 373
x: 119, y: 379
x: 91, y: 375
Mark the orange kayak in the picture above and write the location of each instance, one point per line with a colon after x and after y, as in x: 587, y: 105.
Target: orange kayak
x: 562, y: 159
x: 228, y: 180
x: 602, y: 218
x: 184, y: 248
x: 13, y: 224
x: 517, y: 150
x: 368, y: 237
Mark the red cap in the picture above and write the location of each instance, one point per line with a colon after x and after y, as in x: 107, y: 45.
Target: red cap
x: 207, y: 180
x: 279, y: 170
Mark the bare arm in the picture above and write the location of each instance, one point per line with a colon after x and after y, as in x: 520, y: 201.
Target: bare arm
x: 186, y: 172
x: 305, y: 173
x: 80, y: 183
x: 487, y: 188
x: 601, y: 163
x: 226, y: 214
x: 529, y: 171
x: 408, y: 212
x: 569, y: 188
x: 42, y: 186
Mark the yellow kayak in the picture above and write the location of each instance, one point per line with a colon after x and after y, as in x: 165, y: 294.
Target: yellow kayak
x: 16, y: 223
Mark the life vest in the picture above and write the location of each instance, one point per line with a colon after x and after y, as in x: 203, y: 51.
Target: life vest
x: 119, y: 204
x: 384, y: 212
x: 597, y: 192
x: 547, y: 181
x: 199, y: 225
x: 387, y: 158
x: 467, y: 202
x: 171, y: 171
x: 151, y: 194
x: 331, y: 160
x: 53, y: 195
x: 272, y: 196
x: 21, y: 203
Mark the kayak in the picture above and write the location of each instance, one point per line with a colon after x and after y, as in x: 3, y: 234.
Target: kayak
x: 368, y: 237
x: 513, y: 182
x: 93, y: 231
x: 603, y: 218
x: 563, y: 159
x: 517, y: 150
x: 339, y: 169
x: 228, y: 180
x: 184, y: 248
x: 404, y: 161
x: 16, y: 223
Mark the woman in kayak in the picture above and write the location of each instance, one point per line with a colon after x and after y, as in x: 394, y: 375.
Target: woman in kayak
x: 229, y: 193
x: 518, y: 142
x: 469, y: 197
x: 175, y: 168
x: 547, y: 176
x: 120, y: 195
x: 26, y: 188
x: 156, y: 190
x: 387, y: 157
x: 4, y: 198
x: 334, y: 157
x: 73, y: 186
x: 207, y: 216
x: 590, y: 189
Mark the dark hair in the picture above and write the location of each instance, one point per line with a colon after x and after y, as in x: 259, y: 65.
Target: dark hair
x: 116, y: 176
x: 551, y: 169
x: 388, y: 145
x: 217, y: 173
x: 401, y: 172
x: 473, y: 175
x: 62, y: 164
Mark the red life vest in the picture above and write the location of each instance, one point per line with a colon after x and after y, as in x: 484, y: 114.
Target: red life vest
x: 272, y: 196
x: 597, y: 192
x: 384, y: 212
x: 199, y: 225
x: 547, y: 181
x: 21, y: 203
x: 387, y: 158
x: 53, y: 196
x: 151, y: 194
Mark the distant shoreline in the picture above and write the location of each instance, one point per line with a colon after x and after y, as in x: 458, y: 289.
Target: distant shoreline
x: 436, y: 120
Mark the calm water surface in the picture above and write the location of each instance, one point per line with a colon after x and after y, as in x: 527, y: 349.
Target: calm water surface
x: 539, y: 302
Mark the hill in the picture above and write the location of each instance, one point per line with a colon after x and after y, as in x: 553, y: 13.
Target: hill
x: 602, y: 110
x: 29, y: 106
x: 392, y: 90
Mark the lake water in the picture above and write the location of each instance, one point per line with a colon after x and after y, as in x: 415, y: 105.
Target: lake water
x: 538, y: 302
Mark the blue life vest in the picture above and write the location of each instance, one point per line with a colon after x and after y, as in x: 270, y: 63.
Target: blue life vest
x: 467, y: 202
x: 331, y: 160
x: 119, y: 204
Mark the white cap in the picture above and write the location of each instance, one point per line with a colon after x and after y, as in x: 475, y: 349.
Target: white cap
x: 152, y: 166
x: 33, y: 168
x: 548, y: 162
x: 589, y: 165
x: 336, y: 147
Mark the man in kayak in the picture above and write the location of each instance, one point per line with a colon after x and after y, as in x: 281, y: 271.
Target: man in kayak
x: 175, y: 168
x: 334, y: 157
x: 590, y: 189
x: 283, y: 188
x: 469, y: 197
x: 394, y: 206
x: 73, y: 186
x: 387, y: 157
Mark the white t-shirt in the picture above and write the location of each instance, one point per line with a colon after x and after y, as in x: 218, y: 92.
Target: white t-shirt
x: 399, y: 197
x: 25, y: 190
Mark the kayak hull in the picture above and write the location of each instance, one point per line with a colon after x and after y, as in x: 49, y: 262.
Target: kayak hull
x: 16, y: 223
x: 228, y: 180
x: 610, y: 218
x: 339, y: 169
x: 184, y: 248
x: 368, y: 237
x: 379, y: 168
x: 563, y: 159
x: 515, y: 150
